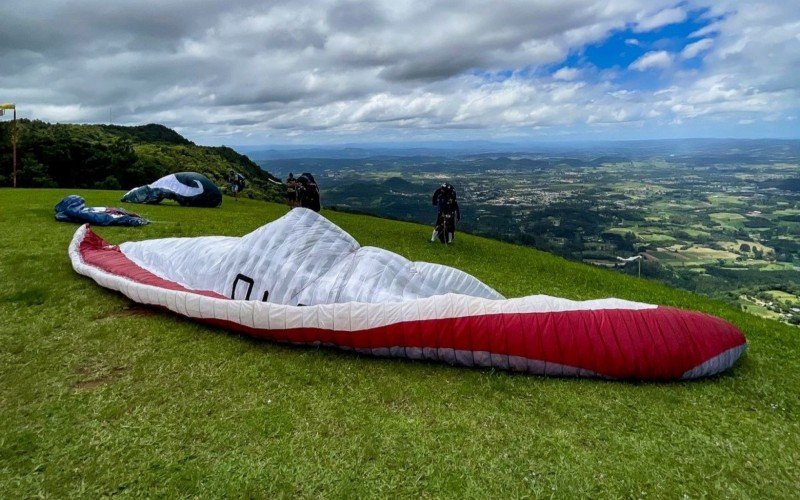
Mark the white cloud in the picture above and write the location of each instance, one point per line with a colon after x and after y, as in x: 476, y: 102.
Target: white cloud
x: 661, y: 19
x: 693, y: 49
x: 657, y: 59
x: 334, y: 68
x: 566, y: 74
x: 632, y: 42
x: 710, y: 29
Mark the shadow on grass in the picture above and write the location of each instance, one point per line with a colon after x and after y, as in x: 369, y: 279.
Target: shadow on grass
x: 31, y: 297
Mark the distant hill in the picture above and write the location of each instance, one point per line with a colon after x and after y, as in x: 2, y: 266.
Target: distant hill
x: 118, y: 157
x: 400, y: 184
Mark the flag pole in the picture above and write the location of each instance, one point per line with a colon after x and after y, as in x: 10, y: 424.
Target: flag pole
x: 14, y: 145
x: 3, y: 107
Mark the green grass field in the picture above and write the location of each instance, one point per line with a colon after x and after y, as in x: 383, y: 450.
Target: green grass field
x: 101, y: 397
x: 728, y: 219
x: 721, y: 200
x: 758, y: 309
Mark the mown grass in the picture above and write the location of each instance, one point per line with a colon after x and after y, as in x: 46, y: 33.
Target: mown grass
x: 99, y: 396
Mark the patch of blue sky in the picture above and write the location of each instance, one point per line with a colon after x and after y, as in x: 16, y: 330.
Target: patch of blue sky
x: 613, y: 55
x: 624, y: 47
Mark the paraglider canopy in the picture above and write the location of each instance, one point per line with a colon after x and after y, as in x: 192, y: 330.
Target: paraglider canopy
x: 73, y: 209
x: 302, y: 279
x: 187, y: 188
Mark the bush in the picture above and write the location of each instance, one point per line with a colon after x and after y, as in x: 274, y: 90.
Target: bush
x: 31, y: 173
x: 109, y: 182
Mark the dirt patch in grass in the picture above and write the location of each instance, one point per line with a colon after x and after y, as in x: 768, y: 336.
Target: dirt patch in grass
x: 132, y: 310
x: 93, y: 377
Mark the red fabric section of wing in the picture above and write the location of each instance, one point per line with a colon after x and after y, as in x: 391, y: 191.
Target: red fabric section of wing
x: 96, y: 252
x: 616, y: 343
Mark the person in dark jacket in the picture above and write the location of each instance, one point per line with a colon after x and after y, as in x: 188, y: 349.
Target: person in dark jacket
x: 444, y: 198
x: 308, y: 192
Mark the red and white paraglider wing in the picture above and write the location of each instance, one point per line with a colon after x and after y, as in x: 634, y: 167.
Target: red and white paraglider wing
x: 303, y: 280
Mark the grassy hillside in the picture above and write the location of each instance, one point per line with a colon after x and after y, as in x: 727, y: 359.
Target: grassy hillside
x: 117, y: 157
x: 99, y: 396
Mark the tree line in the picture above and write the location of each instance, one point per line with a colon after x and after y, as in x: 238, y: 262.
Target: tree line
x: 117, y: 157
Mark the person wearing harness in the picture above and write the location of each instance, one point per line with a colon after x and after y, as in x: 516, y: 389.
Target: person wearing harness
x: 444, y: 198
x: 291, y: 190
x: 235, y: 182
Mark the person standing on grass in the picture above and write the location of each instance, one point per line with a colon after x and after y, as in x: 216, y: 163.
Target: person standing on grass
x: 291, y: 191
x: 235, y: 182
x: 444, y: 199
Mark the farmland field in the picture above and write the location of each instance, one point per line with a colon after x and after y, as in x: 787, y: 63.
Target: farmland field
x: 725, y: 227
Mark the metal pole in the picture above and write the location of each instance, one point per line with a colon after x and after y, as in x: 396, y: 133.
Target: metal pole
x: 14, y: 146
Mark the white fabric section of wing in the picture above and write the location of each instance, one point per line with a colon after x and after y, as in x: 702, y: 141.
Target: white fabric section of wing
x: 171, y: 183
x: 301, y: 258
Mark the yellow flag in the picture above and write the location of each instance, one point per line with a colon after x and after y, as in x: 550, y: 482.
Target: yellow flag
x: 7, y: 106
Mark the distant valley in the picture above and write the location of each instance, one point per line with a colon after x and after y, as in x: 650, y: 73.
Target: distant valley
x: 718, y: 217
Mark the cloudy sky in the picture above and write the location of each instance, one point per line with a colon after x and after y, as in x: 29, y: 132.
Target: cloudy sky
x: 278, y: 72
